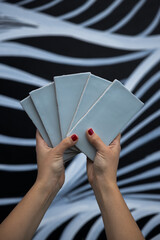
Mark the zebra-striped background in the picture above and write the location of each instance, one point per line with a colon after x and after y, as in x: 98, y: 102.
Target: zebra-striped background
x: 112, y: 39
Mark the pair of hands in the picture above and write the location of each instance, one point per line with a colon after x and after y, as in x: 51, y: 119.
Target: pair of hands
x: 118, y: 221
x: 103, y: 170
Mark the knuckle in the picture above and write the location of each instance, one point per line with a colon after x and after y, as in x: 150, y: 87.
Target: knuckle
x: 57, y: 150
x: 94, y: 139
x: 66, y: 142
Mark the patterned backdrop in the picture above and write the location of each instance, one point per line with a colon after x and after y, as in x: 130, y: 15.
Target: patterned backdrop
x: 112, y: 39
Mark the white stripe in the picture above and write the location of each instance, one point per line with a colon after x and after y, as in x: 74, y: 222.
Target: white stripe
x: 20, y: 50
x: 141, y: 188
x: 24, y: 2
x: 142, y: 70
x: 17, y: 75
x: 128, y: 17
x: 146, y: 106
x: 77, y: 223
x: 157, y: 237
x: 152, y: 26
x: 17, y: 141
x: 147, y: 85
x: 18, y: 167
x: 144, y: 196
x: 95, y: 229
x: 10, y: 102
x: 139, y: 126
x: 140, y: 163
x: 47, y: 5
x: 147, y: 174
x: 140, y: 141
x: 9, y: 201
x: 51, y: 26
x: 78, y: 10
x: 102, y: 14
x: 150, y: 225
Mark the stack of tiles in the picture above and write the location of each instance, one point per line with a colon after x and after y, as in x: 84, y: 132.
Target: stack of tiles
x: 73, y: 103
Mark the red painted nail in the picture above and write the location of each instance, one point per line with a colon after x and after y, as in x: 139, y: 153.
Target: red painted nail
x: 90, y: 131
x: 74, y: 137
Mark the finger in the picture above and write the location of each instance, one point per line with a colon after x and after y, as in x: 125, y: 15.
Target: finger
x: 95, y: 140
x: 66, y: 143
x: 116, y: 141
x: 40, y: 141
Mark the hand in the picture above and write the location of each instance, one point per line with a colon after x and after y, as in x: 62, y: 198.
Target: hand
x: 102, y: 175
x: 104, y: 167
x: 50, y: 161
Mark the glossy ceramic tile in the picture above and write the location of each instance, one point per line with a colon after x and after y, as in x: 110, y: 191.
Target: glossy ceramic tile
x: 108, y: 116
x: 31, y: 111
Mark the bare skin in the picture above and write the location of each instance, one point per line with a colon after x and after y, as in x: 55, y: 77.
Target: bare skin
x: 102, y: 175
x: 118, y: 221
x: 50, y: 178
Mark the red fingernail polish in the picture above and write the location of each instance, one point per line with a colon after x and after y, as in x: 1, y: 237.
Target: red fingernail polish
x: 74, y: 137
x: 90, y: 131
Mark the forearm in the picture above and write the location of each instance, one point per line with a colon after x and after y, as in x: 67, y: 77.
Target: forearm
x: 118, y: 221
x: 25, y: 218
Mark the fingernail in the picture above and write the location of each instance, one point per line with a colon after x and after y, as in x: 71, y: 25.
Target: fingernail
x: 74, y: 137
x: 90, y: 131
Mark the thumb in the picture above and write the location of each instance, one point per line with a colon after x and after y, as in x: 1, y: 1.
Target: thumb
x: 95, y: 140
x: 66, y: 143
x: 115, y: 144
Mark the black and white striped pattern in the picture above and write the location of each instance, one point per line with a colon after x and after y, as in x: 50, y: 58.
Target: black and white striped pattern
x: 112, y: 39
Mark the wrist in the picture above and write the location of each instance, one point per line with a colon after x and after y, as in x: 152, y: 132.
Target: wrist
x: 47, y: 188
x: 104, y: 188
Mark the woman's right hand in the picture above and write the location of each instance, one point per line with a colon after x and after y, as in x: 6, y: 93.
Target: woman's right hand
x: 103, y: 170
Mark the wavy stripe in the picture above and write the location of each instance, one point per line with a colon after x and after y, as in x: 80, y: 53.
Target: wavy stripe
x: 141, y: 163
x: 140, y: 141
x: 157, y: 237
x: 128, y: 17
x: 141, y: 213
x: 47, y: 5
x: 139, y: 126
x: 95, y: 230
x: 147, y: 174
x: 75, y: 174
x: 141, y: 188
x: 151, y: 27
x: 146, y: 86
x: 77, y: 11
x: 9, y: 201
x: 77, y: 223
x: 76, y: 199
x: 17, y: 75
x: 102, y: 14
x: 80, y: 189
x: 20, y: 50
x: 144, y: 196
x: 17, y: 141
x: 50, y: 26
x: 64, y: 212
x: 18, y: 168
x: 150, y: 225
x: 142, y: 70
x: 10, y: 102
x: 142, y: 204
x: 81, y: 196
x: 24, y: 2
x: 146, y: 106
